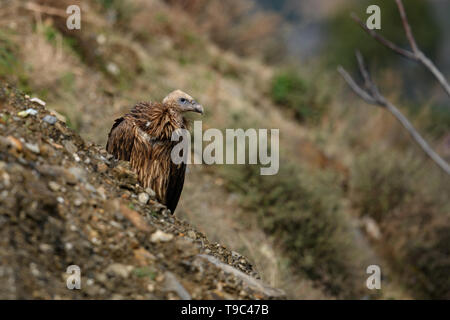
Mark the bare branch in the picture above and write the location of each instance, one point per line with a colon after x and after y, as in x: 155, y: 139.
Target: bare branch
x: 383, y: 40
x: 417, y: 137
x: 374, y: 97
x: 407, y: 27
x: 416, y: 54
x: 357, y: 89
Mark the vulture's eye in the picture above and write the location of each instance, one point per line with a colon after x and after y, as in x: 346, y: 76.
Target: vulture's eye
x: 183, y: 100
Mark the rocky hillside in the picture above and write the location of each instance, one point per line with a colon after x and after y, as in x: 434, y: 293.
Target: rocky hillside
x: 65, y: 202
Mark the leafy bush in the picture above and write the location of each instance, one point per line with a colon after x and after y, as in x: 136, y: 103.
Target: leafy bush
x: 291, y: 90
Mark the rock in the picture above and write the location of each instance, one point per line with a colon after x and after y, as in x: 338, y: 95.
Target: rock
x: 136, y: 219
x: 44, y: 247
x: 54, y: 186
x: 160, y: 236
x: 13, y: 142
x: 101, y: 192
x: 78, y: 173
x: 76, y: 157
x: 191, y: 234
x: 27, y: 112
x: 58, y: 172
x: 70, y: 147
x: 171, y: 284
x: 143, y: 197
x: 101, y: 167
x: 248, y: 281
x: 143, y: 257
x: 50, y: 119
x: 150, y: 192
x: 6, y: 179
x: 120, y: 270
x: 38, y: 101
x: 33, y: 147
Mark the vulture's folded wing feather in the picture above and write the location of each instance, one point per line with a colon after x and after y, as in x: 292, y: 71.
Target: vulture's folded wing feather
x: 121, y: 139
x: 175, y: 186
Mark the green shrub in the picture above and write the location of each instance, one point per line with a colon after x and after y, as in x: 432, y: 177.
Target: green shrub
x: 379, y: 183
x: 291, y: 90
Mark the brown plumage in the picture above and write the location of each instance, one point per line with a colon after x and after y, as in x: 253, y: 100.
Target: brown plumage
x: 143, y: 137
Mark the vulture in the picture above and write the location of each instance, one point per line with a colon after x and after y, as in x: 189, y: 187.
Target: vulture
x: 143, y: 137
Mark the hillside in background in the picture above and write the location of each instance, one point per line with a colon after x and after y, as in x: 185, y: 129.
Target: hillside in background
x: 352, y: 190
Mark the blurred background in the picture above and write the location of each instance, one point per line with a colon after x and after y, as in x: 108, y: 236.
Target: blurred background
x: 353, y: 189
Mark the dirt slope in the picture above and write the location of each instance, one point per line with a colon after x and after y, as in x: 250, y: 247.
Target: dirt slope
x: 64, y: 202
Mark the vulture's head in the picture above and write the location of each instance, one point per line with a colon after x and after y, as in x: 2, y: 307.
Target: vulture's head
x: 183, y: 101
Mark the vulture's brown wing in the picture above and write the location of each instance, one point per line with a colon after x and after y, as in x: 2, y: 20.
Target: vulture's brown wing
x: 175, y: 186
x: 121, y: 139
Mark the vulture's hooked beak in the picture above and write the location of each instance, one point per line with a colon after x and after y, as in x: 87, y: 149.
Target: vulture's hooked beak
x: 198, y: 108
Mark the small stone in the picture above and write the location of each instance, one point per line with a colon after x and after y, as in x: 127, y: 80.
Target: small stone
x: 90, y: 187
x: 15, y: 143
x: 38, y: 101
x: 172, y: 284
x: 160, y: 236
x: 44, y: 247
x: 27, y: 112
x: 78, y: 173
x: 102, y: 167
x: 77, y: 202
x: 50, y: 119
x: 76, y: 157
x: 33, y: 147
x: 135, y: 218
x: 6, y: 179
x: 70, y: 147
x: 34, y: 270
x: 191, y: 234
x: 143, y: 197
x: 235, y: 255
x: 120, y: 270
x: 60, y: 200
x: 143, y: 256
x: 150, y: 192
x: 54, y: 186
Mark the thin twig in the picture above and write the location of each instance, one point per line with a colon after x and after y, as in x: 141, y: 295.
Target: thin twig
x: 416, y: 54
x: 407, y: 27
x: 354, y: 86
x: 374, y: 97
x: 383, y: 40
